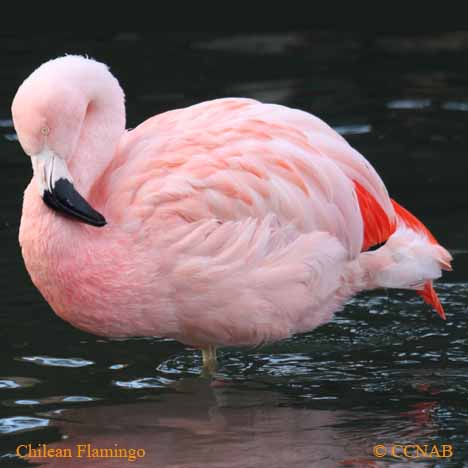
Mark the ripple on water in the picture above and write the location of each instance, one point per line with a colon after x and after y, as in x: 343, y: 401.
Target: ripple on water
x: 11, y: 137
x: 409, y: 104
x: 147, y: 382
x: 67, y: 399
x: 17, y: 382
x: 57, y: 362
x: 52, y: 400
x: 353, y: 129
x: 78, y: 399
x: 17, y: 424
x: 455, y: 106
x: 182, y: 364
x: 273, y: 44
x: 26, y: 403
x: 117, y: 366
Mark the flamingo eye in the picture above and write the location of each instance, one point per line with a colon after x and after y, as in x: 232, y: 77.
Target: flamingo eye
x: 45, y: 130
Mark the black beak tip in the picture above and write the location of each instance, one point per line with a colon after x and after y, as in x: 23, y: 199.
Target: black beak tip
x: 65, y: 199
x: 100, y: 222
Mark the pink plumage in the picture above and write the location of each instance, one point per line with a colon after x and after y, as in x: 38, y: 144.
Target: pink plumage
x: 230, y: 222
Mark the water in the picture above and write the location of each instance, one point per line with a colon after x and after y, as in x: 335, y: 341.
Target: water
x: 385, y: 371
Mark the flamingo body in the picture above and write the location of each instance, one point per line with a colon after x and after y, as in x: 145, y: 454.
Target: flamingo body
x: 230, y: 222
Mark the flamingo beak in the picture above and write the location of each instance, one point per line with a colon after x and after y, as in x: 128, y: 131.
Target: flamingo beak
x: 57, y: 190
x: 430, y: 297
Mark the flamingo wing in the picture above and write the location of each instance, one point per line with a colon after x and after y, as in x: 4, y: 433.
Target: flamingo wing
x: 233, y: 159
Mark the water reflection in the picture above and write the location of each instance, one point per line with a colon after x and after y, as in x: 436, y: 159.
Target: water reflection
x: 409, y: 104
x: 236, y: 426
x: 455, y: 106
x: 20, y: 424
x: 17, y: 382
x: 353, y: 129
x: 57, y: 362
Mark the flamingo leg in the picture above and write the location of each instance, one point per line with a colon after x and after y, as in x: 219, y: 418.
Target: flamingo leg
x: 210, y: 363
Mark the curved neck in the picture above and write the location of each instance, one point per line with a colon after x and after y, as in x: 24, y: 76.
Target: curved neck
x: 103, y: 125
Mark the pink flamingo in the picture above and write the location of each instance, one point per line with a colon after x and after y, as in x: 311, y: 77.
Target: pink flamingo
x: 227, y: 223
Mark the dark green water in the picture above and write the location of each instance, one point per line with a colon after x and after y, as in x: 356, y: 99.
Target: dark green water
x: 385, y: 371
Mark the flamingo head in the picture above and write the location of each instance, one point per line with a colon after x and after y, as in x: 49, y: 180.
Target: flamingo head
x: 48, y: 115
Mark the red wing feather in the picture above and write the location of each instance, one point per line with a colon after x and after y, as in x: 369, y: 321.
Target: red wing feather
x: 377, y: 225
x: 412, y: 222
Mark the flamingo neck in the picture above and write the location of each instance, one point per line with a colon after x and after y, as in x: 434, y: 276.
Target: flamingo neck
x: 102, y: 128
x: 50, y: 240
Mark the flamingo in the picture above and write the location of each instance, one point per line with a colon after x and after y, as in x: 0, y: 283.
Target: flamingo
x: 227, y: 223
